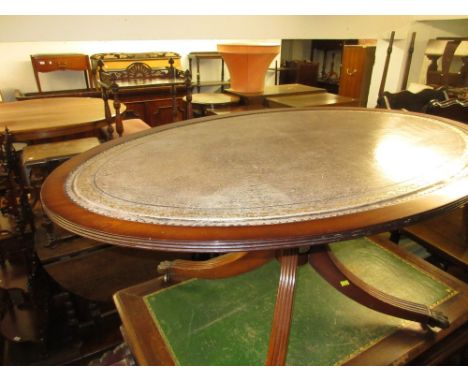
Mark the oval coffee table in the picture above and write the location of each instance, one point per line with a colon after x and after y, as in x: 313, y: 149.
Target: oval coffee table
x: 262, y: 184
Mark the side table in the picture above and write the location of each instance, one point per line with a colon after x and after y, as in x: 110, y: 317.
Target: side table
x: 45, y: 63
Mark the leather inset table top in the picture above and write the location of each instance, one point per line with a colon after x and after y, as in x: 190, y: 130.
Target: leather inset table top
x: 272, y: 167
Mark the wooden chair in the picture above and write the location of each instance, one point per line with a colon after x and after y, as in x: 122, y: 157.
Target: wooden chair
x: 18, y: 262
x: 16, y: 190
x: 406, y: 100
x: 227, y: 321
x: 139, y: 74
x: 50, y: 155
x: 451, y: 109
x: 37, y: 161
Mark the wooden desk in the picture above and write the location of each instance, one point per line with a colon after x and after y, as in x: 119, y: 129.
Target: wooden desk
x: 275, y: 91
x: 233, y: 109
x: 45, y: 63
x: 311, y: 100
x: 258, y: 186
x: 355, y: 336
x: 45, y: 118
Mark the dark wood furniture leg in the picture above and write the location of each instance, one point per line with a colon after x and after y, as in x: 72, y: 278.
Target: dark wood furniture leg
x: 335, y: 273
x: 228, y: 265
x: 236, y: 263
x: 278, y: 347
x: 465, y: 225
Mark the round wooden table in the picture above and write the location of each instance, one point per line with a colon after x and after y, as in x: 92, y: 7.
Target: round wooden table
x: 267, y: 182
x: 37, y: 119
x: 204, y: 101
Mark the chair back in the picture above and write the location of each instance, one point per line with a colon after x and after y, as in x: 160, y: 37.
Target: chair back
x: 16, y: 195
x: 407, y: 100
x: 140, y: 74
x: 451, y: 109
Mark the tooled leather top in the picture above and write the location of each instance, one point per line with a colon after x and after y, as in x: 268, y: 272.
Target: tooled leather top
x: 274, y: 167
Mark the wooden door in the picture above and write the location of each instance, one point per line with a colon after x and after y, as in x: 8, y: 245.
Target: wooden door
x: 356, y: 70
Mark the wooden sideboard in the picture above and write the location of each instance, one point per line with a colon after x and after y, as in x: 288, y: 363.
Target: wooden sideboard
x: 119, y: 61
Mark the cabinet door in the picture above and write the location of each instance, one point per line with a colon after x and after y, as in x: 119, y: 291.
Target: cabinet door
x: 160, y: 111
x: 135, y: 109
x: 356, y: 69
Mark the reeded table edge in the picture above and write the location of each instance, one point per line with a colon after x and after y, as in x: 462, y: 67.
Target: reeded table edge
x: 76, y: 219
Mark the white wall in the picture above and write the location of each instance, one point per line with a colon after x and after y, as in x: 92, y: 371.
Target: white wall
x: 21, y: 36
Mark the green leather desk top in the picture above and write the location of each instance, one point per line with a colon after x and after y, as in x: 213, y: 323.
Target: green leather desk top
x: 228, y: 322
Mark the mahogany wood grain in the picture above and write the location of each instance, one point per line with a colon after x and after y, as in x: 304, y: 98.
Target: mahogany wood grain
x: 99, y: 273
x: 52, y: 117
x: 446, y: 235
x: 336, y: 274
x: 227, y: 265
x: 356, y: 70
x: 400, y: 348
x: 235, y: 238
x: 253, y: 99
x: 414, y: 340
x: 281, y: 324
x: 46, y: 63
x: 311, y: 100
x: 147, y: 345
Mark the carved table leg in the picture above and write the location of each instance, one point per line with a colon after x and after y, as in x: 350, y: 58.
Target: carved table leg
x: 281, y: 324
x: 228, y: 265
x: 333, y: 271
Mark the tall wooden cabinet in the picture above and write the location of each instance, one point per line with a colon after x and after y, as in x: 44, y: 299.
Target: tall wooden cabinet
x: 356, y: 70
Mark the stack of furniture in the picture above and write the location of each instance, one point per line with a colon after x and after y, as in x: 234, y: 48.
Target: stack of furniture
x: 441, y: 53
x: 151, y: 103
x: 296, y: 71
x: 117, y: 82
